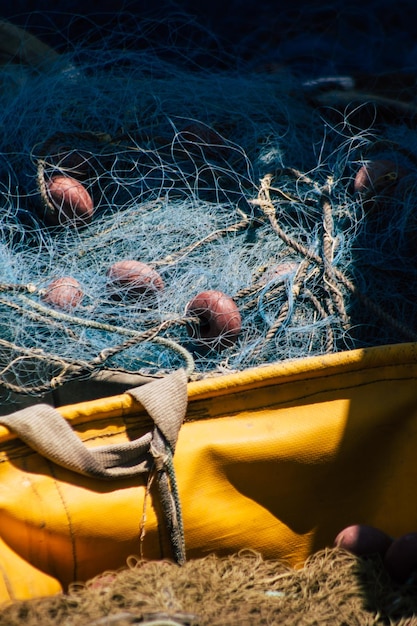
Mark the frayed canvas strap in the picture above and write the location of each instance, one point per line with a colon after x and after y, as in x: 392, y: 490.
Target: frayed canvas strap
x: 44, y: 429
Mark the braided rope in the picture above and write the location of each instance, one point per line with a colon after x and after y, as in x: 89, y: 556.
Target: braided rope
x: 267, y: 207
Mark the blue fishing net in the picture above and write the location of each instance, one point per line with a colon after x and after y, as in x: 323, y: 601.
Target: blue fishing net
x: 232, y: 176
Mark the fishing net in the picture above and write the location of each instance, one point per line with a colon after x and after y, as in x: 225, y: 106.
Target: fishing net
x: 236, y: 180
x: 333, y: 587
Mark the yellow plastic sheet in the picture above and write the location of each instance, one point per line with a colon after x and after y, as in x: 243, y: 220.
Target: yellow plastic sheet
x: 277, y: 459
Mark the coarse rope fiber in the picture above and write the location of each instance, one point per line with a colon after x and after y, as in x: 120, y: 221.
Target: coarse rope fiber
x: 333, y: 587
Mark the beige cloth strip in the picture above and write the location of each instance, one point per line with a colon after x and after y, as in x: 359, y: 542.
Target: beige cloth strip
x: 44, y: 429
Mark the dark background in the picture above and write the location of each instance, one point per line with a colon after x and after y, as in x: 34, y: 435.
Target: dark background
x: 313, y: 38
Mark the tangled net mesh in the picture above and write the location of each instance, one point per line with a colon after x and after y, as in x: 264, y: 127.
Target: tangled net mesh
x: 333, y: 587
x: 217, y: 179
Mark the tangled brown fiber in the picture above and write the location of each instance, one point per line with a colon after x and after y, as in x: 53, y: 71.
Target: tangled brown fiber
x: 333, y: 587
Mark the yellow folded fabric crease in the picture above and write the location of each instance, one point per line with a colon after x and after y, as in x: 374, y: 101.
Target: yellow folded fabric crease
x: 277, y: 459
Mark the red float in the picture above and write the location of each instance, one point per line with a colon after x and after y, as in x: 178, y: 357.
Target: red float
x: 133, y: 279
x: 63, y: 293
x: 219, y: 322
x: 363, y: 540
x: 68, y: 202
x: 378, y: 177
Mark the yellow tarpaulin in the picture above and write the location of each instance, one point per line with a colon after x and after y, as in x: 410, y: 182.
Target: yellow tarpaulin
x: 277, y: 459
